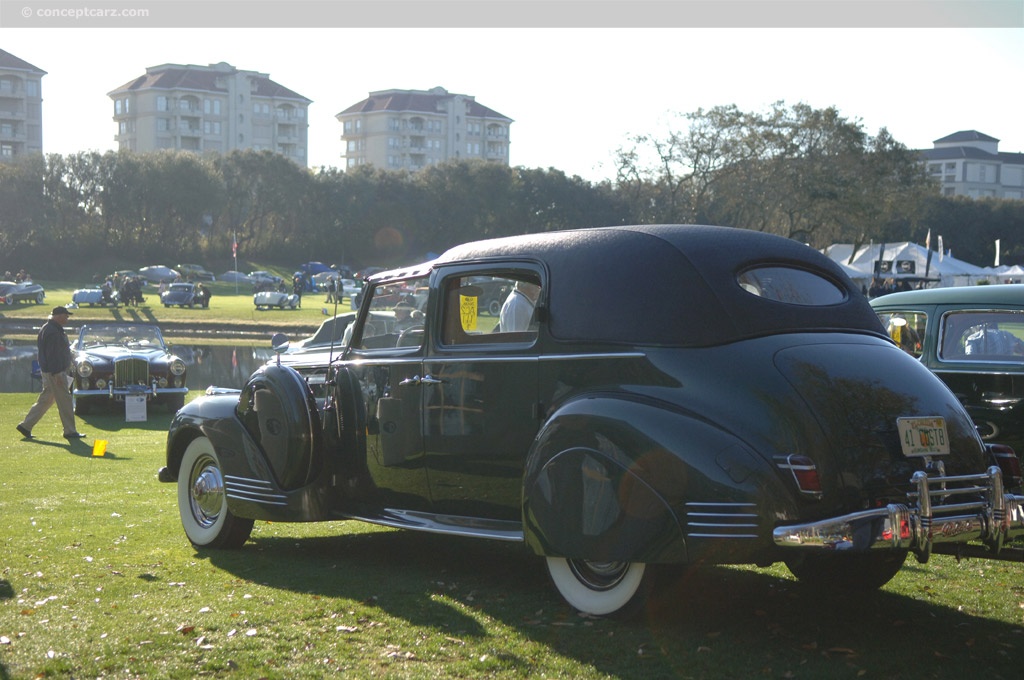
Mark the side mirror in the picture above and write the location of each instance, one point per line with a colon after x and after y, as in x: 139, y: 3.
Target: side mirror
x: 279, y: 343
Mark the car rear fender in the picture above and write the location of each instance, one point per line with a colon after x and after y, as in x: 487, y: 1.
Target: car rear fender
x: 632, y: 479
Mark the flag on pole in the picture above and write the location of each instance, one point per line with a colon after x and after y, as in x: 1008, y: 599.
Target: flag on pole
x: 940, y: 248
x: 928, y: 240
x: 234, y: 246
x: 997, y: 254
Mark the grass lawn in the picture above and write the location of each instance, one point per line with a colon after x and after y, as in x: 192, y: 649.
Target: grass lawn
x: 98, y: 580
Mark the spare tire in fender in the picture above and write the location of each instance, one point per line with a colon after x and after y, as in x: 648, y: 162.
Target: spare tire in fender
x: 280, y: 413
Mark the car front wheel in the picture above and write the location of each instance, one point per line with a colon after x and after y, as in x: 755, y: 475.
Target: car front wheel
x: 202, y: 501
x: 618, y: 589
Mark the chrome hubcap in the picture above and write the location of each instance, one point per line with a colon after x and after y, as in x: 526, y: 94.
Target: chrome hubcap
x: 207, y: 496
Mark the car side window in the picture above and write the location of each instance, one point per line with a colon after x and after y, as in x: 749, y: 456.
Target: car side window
x: 490, y: 309
x: 397, y: 317
x: 906, y: 328
x: 983, y: 336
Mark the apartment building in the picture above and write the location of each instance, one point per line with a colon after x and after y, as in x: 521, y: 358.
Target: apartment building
x: 21, y: 107
x: 969, y: 163
x: 215, y: 108
x: 412, y: 129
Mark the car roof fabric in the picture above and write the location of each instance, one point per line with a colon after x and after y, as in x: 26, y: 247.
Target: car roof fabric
x: 670, y: 284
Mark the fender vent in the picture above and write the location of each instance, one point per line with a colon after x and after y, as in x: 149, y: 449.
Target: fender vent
x: 721, y: 520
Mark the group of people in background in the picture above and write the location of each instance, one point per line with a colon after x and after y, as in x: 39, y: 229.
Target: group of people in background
x: 21, y: 277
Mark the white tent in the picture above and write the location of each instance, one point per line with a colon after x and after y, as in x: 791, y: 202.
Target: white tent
x: 907, y: 261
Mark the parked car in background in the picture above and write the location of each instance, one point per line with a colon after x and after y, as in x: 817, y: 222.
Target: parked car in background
x: 96, y: 296
x: 159, y: 274
x: 266, y: 299
x: 195, y: 272
x: 231, y: 276
x: 21, y: 291
x: 761, y: 415
x: 181, y: 295
x: 264, y: 278
x: 972, y: 337
x: 112, y: 361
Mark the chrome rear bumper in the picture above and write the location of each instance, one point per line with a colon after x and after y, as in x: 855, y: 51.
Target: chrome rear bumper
x: 931, y: 516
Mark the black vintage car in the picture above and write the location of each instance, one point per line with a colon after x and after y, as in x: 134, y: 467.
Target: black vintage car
x: 180, y: 294
x: 112, y: 361
x: 972, y: 337
x: 752, y: 410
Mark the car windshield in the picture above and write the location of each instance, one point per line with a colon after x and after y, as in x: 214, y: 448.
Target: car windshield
x: 114, y: 334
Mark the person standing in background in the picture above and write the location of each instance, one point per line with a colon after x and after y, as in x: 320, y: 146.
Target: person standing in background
x: 54, y: 364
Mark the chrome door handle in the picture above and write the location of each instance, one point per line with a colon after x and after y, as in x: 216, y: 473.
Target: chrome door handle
x: 430, y: 380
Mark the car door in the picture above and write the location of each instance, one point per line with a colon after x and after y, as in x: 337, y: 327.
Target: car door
x: 479, y: 395
x: 385, y: 367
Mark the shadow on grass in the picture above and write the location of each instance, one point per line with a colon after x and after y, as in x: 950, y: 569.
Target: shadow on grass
x: 713, y: 622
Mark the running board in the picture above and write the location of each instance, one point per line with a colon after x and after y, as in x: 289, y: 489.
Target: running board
x: 474, y: 527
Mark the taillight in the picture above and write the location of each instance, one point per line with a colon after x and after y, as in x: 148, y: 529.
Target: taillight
x: 1008, y: 462
x: 804, y: 471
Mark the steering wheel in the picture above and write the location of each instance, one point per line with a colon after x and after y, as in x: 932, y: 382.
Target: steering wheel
x: 411, y: 332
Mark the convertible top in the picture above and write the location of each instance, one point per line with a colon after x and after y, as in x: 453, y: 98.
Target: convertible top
x: 671, y: 285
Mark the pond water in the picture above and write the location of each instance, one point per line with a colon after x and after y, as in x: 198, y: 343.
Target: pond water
x: 221, y: 365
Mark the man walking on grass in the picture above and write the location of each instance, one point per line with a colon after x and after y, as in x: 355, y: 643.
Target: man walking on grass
x: 54, y: 364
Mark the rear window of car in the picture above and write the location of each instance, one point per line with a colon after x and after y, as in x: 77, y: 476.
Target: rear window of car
x: 790, y: 285
x: 989, y: 335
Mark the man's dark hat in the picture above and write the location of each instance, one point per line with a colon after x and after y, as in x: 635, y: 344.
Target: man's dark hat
x: 60, y: 310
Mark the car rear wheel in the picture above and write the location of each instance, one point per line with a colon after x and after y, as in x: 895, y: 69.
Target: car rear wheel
x: 202, y: 502
x: 849, y: 572
x: 618, y: 589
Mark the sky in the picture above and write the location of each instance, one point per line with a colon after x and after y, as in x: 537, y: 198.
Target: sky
x: 575, y: 94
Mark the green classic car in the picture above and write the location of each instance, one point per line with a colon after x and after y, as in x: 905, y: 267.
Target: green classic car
x: 972, y: 337
x: 731, y: 399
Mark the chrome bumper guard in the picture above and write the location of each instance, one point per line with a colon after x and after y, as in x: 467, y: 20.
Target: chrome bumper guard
x: 931, y: 516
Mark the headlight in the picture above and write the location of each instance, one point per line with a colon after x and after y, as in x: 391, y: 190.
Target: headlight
x: 177, y: 367
x: 101, y: 383
x: 84, y: 369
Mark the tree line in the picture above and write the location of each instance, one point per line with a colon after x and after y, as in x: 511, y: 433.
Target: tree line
x: 807, y: 174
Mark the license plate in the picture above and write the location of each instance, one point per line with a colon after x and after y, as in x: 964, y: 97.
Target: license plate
x: 923, y: 436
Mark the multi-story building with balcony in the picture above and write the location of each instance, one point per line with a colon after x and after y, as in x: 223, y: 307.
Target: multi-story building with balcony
x: 21, y: 107
x: 411, y: 129
x: 215, y: 108
x: 969, y: 163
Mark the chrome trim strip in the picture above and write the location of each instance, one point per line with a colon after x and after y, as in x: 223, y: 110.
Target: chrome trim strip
x: 486, y: 359
x: 721, y: 535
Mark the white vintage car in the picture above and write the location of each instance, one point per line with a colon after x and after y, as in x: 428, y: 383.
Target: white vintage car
x: 268, y: 299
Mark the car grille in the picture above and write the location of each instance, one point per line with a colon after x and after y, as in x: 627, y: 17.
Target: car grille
x: 131, y: 371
